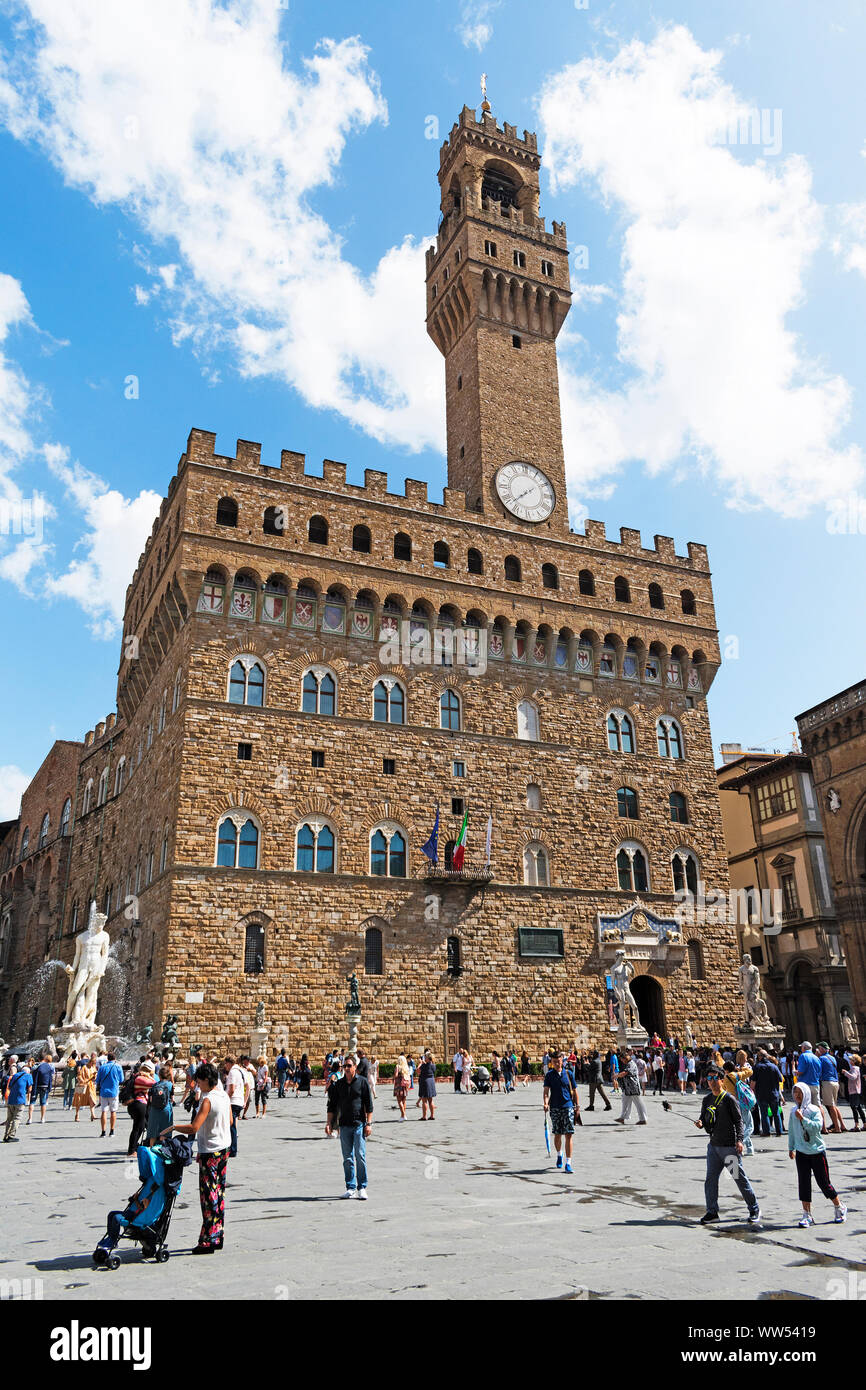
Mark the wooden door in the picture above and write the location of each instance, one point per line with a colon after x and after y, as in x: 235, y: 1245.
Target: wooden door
x: 456, y: 1032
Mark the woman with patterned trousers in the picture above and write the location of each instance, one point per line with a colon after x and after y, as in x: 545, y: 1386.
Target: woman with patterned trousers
x: 212, y: 1129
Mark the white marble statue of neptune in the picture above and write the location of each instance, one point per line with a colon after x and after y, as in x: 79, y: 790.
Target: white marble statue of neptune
x: 86, y: 971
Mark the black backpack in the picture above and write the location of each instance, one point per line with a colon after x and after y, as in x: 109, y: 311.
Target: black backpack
x: 126, y: 1094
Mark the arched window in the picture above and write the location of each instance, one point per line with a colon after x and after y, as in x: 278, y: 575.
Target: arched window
x: 550, y: 576
x: 586, y: 583
x: 626, y: 803
x: 621, y: 590
x: 535, y: 866
x: 679, y: 808
x: 66, y: 816
x: 315, y: 847
x: 163, y: 854
x: 163, y: 705
x: 475, y: 563
x: 175, y: 699
x: 85, y: 800
x: 696, y: 960
x: 402, y: 546
x: 454, y: 956
x: 73, y: 921
x: 512, y: 569
x: 238, y: 841
x: 389, y: 702
x: 319, y: 692
x: 361, y: 539
x: 631, y: 868
x: 687, y: 599
x: 247, y: 682
x: 118, y: 777
x: 670, y: 739
x: 620, y: 732
x: 373, y: 951
x: 227, y: 512
x: 388, y: 852
x: 449, y: 710
x: 317, y: 531
x: 212, y: 591
x: 106, y: 902
x: 441, y: 555
x: 527, y: 720
x: 656, y: 597
x: 686, y: 871
x: 274, y: 522
x: 533, y: 797
x: 254, y: 949
x: 102, y: 789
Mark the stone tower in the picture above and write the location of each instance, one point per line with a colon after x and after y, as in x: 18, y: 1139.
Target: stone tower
x: 498, y: 292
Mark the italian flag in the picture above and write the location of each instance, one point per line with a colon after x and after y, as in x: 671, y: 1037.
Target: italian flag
x: 460, y: 847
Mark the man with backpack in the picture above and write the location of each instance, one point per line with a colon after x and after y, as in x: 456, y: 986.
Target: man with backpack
x: 109, y: 1079
x: 722, y: 1119
x: 630, y: 1085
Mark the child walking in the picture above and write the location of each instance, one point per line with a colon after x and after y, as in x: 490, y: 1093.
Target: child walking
x: 807, y: 1147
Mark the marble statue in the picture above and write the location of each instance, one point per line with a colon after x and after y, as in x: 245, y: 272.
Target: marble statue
x: 260, y: 1015
x: 849, y: 1032
x: 690, y: 1037
x: 622, y: 974
x: 86, y: 971
x: 754, y: 1006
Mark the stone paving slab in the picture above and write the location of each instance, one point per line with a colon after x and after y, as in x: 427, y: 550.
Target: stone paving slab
x: 470, y: 1200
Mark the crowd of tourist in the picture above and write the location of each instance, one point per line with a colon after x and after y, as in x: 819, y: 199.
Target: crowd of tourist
x: 744, y: 1095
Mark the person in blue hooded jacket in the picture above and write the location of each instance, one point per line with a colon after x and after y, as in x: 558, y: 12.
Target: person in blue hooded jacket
x: 807, y: 1147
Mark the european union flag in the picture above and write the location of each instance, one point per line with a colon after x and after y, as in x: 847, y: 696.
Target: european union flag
x: 431, y: 849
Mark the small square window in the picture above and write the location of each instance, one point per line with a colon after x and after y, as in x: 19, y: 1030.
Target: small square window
x: 490, y: 248
x: 460, y: 383
x: 690, y: 704
x: 433, y: 293
x: 520, y: 259
x: 318, y: 757
x: 458, y: 253
x: 462, y: 451
x: 457, y: 805
x: 516, y: 340
x: 245, y: 752
x: 388, y: 766
x: 445, y: 274
x: 459, y: 769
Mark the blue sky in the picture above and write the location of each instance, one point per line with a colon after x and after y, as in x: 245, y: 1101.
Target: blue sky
x: 230, y: 203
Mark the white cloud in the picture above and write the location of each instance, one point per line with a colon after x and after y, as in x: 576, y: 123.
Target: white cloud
x: 474, y: 27
x: 116, y: 530
x: 716, y: 248
x: 187, y: 114
x: 850, y: 242
x: 17, y: 397
x: 13, y: 784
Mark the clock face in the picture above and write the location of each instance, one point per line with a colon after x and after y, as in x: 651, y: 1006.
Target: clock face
x: 525, y: 491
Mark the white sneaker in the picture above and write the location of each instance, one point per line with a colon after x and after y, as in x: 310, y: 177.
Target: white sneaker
x: 349, y: 1193
x: 362, y: 1194
x: 806, y: 1220
x: 840, y: 1213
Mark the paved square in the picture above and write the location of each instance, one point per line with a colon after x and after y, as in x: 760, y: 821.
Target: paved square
x: 470, y: 1200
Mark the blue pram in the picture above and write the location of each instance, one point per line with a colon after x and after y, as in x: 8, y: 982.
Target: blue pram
x: 146, y: 1218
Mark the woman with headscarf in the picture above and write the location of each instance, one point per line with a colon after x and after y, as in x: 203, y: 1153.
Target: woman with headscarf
x: 807, y: 1147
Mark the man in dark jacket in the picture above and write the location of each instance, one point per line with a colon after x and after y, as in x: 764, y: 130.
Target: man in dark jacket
x: 596, y: 1082
x: 721, y: 1118
x: 767, y: 1081
x: 350, y: 1108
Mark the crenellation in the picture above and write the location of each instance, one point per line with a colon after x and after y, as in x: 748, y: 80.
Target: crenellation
x: 664, y: 548
x: 629, y: 538
x: 376, y: 482
x: 333, y: 473
x: 200, y: 446
x: 416, y: 492
x: 595, y: 531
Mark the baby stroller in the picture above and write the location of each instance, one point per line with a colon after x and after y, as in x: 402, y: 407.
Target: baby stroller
x: 146, y: 1218
x: 481, y: 1080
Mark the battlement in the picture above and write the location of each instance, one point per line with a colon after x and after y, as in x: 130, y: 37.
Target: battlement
x: 103, y: 730
x: 504, y: 219
x: 468, y: 125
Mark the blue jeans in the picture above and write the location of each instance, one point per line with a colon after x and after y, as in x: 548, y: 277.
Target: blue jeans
x: 354, y: 1147
x: 748, y: 1129
x: 236, y: 1110
x: 717, y: 1159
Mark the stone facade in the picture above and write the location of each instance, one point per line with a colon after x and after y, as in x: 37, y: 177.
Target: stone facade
x: 780, y: 878
x: 833, y: 736
x: 276, y: 573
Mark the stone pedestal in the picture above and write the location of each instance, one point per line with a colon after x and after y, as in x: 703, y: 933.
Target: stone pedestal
x: 78, y: 1039
x: 771, y: 1037
x: 631, y: 1037
x: 258, y: 1041
x: 353, y: 1016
